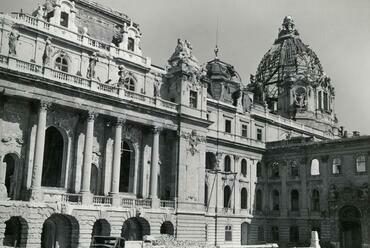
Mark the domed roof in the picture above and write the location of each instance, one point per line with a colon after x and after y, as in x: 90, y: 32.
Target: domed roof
x: 288, y: 57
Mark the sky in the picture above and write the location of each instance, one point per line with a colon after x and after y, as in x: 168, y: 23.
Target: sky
x: 337, y: 30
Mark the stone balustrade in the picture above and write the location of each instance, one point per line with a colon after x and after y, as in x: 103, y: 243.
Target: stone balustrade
x: 167, y: 204
x: 21, y: 66
x: 101, y: 200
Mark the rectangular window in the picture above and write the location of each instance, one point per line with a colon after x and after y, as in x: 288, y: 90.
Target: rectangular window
x: 131, y: 44
x: 244, y: 130
x: 294, y: 170
x: 326, y: 102
x: 275, y: 233
x: 293, y: 234
x: 228, y: 126
x: 64, y: 19
x: 259, y: 134
x: 337, y: 166
x: 193, y: 99
x: 319, y: 100
x: 361, y: 163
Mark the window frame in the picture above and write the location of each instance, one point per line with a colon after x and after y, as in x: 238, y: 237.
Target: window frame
x: 244, y: 130
x: 59, y: 65
x: 244, y: 167
x: 228, y: 233
x: 362, y: 161
x: 259, y: 133
x: 333, y: 163
x: 193, y: 99
x: 227, y: 125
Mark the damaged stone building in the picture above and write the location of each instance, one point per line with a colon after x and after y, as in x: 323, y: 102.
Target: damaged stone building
x: 97, y: 140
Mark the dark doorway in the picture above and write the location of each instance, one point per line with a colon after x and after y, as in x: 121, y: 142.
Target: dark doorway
x: 350, y: 227
x: 167, y: 228
x: 16, y: 230
x: 53, y: 158
x: 135, y: 228
x: 124, y: 180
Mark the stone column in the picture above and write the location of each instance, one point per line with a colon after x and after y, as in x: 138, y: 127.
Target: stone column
x: 117, y: 162
x: 86, y: 171
x: 154, y: 169
x: 36, y: 193
x: 303, y: 191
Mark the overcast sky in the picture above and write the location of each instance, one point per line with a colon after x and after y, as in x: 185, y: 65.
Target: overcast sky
x: 337, y: 30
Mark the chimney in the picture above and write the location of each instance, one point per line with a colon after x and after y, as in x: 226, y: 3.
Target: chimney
x: 356, y: 133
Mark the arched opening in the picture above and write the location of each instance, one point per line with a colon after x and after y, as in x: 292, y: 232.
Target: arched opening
x: 53, y: 158
x: 135, y: 228
x: 259, y: 170
x: 244, y: 199
x: 228, y: 233
x: 350, y: 227
x: 244, y: 167
x: 167, y: 228
x: 275, y: 200
x: 227, y: 164
x: 101, y: 228
x: 127, y: 164
x: 315, y: 200
x: 227, y: 197
x: 294, y: 200
x: 11, y: 175
x: 210, y: 161
x: 60, y: 231
x: 16, y: 231
x: 315, y: 167
x: 259, y: 200
x: 361, y: 163
x: 205, y: 194
x: 94, y: 181
x: 61, y: 64
x: 244, y: 233
x: 129, y: 84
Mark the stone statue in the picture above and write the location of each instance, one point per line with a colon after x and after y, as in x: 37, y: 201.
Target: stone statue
x: 117, y: 37
x: 157, y: 87
x: 92, y: 64
x: 47, y: 52
x: 13, y: 40
x: 122, y: 73
x: 40, y: 12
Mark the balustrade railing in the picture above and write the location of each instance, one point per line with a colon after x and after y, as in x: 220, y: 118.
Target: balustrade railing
x: 125, y: 202
x: 167, y: 204
x: 70, y: 198
x: 102, y: 200
x: 143, y: 202
x: 78, y: 81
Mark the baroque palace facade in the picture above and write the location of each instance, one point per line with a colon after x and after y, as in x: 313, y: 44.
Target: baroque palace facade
x: 96, y: 140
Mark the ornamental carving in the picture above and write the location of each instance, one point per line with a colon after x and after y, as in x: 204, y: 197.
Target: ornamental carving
x: 18, y: 141
x: 194, y: 140
x: 132, y: 133
x: 300, y: 98
x: 13, y: 42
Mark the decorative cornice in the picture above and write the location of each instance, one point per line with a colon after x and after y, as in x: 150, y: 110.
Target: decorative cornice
x: 91, y: 115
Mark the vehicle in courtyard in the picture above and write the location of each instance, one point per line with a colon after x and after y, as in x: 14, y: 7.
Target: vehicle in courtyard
x: 108, y: 242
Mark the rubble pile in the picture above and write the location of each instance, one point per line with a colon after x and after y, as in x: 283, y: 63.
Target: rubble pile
x: 170, y: 241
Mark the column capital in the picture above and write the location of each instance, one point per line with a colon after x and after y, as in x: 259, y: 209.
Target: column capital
x: 121, y: 121
x: 44, y: 105
x: 91, y: 115
x: 156, y: 129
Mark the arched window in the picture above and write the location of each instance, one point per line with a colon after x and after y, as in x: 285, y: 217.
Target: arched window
x: 259, y: 169
x: 244, y: 167
x: 259, y: 200
x: 126, y: 172
x: 294, y: 200
x: 101, y: 228
x: 275, y: 200
x: 244, y: 199
x: 337, y: 166
x: 227, y: 197
x: 129, y: 84
x: 135, y: 228
x: 53, y: 158
x: 275, y: 170
x: 131, y: 44
x: 227, y: 164
x: 228, y: 233
x: 361, y: 163
x: 61, y: 64
x: 315, y: 167
x: 315, y: 200
x: 294, y: 172
x: 210, y: 161
x: 244, y: 233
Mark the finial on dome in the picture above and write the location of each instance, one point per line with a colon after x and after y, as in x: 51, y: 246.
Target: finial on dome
x: 288, y: 27
x: 216, y: 51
